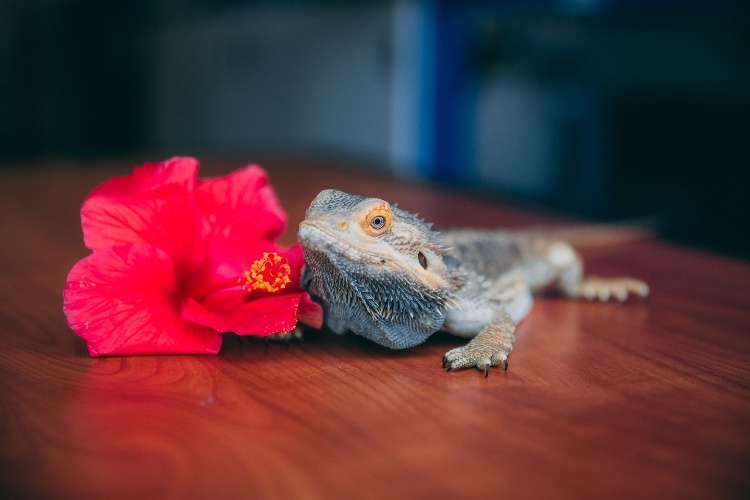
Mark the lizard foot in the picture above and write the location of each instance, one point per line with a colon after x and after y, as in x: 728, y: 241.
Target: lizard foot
x: 491, y: 347
x: 480, y: 357
x: 605, y: 288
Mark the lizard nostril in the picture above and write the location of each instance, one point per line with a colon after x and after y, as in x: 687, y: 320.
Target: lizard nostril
x: 343, y: 226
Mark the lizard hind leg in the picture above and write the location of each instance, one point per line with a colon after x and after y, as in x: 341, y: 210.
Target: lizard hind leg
x: 491, y: 347
x: 570, y: 281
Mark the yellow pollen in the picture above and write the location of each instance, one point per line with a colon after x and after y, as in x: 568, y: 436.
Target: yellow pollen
x: 270, y: 273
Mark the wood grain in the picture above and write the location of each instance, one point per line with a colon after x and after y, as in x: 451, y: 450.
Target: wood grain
x: 643, y: 400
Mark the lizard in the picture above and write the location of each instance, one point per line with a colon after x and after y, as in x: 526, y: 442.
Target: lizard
x: 385, y: 274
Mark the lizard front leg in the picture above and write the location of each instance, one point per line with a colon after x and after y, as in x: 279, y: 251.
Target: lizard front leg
x: 491, y: 347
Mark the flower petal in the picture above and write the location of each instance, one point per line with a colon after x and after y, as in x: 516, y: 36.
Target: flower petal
x: 262, y: 316
x: 125, y: 300
x: 179, y: 170
x: 166, y: 219
x: 153, y: 205
x: 241, y: 204
x: 310, y: 312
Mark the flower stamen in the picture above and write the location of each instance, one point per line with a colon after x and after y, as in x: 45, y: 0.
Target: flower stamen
x: 270, y: 273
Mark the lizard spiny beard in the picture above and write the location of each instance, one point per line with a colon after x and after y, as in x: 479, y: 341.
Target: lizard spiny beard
x: 387, y: 309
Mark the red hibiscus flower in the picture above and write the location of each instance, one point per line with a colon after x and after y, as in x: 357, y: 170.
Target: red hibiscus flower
x: 177, y: 261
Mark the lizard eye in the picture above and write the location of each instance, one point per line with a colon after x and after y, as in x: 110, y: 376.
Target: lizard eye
x: 377, y: 222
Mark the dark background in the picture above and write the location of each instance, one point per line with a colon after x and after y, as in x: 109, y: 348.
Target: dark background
x: 608, y: 110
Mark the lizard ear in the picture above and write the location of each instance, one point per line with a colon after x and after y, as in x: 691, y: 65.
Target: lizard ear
x: 422, y: 260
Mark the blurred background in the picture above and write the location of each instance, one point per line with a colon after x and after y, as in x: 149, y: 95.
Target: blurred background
x: 603, y: 109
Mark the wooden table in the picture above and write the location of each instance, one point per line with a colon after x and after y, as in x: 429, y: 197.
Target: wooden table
x: 643, y: 400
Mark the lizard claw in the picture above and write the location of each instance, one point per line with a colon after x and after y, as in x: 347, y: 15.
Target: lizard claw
x: 463, y: 357
x: 603, y: 289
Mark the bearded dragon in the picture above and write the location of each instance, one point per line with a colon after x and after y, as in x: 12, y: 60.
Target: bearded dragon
x: 385, y: 274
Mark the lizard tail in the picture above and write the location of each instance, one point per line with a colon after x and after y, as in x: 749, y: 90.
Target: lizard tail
x: 591, y: 236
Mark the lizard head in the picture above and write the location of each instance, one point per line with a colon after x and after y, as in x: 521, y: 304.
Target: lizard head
x: 380, y: 271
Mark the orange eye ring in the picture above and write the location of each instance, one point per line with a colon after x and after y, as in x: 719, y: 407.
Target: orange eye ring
x: 378, y: 221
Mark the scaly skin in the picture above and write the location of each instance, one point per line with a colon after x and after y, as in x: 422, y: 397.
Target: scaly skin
x: 385, y: 274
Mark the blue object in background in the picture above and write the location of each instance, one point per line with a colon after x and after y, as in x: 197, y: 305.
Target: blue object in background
x: 601, y: 108
x: 455, y: 79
